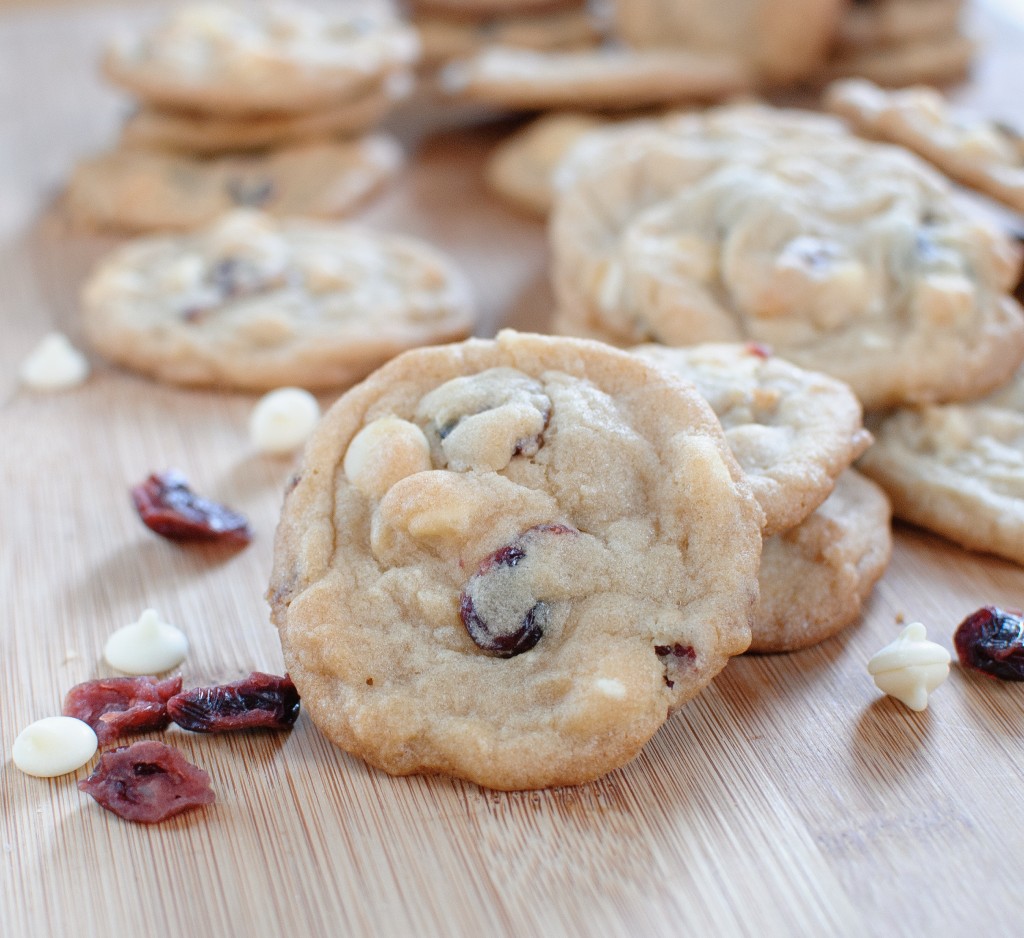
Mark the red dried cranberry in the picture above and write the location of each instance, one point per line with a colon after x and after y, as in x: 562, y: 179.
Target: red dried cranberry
x: 260, y: 700
x: 506, y: 621
x: 168, y: 506
x: 678, y: 656
x: 992, y: 641
x: 147, y: 782
x: 759, y: 349
x: 114, y: 706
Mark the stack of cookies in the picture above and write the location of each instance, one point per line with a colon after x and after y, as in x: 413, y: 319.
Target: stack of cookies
x: 900, y: 42
x: 267, y: 107
x: 454, y: 29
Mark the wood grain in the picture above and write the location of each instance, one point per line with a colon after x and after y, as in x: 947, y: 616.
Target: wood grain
x: 789, y: 798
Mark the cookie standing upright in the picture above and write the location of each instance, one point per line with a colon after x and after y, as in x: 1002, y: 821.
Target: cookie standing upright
x: 509, y: 560
x: 253, y: 303
x: 844, y: 256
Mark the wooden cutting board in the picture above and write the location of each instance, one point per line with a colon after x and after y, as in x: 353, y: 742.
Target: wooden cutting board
x: 789, y: 798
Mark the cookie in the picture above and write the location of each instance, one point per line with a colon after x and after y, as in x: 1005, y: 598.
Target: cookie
x: 780, y: 40
x: 792, y: 431
x: 137, y: 190
x: 510, y: 560
x: 207, y: 135
x: 606, y: 78
x: 815, y: 577
x: 443, y: 38
x: 889, y: 22
x: 521, y: 170
x: 958, y: 469
x: 845, y: 256
x: 254, y: 303
x: 266, y: 58
x: 984, y: 154
x: 939, y: 60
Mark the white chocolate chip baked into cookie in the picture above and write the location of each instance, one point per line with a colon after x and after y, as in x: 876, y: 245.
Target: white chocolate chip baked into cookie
x: 252, y: 303
x: 985, y: 154
x: 137, y: 190
x: 510, y: 560
x: 815, y: 577
x: 958, y: 469
x: 792, y: 431
x: 844, y: 256
x: 266, y: 58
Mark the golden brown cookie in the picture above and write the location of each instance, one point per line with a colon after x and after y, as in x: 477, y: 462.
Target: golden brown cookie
x: 510, y: 560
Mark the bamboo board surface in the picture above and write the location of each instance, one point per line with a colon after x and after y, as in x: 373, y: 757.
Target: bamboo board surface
x: 789, y: 798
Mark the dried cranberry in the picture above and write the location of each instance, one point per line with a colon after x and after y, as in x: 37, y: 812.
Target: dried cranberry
x: 147, y: 782
x: 1019, y: 292
x: 260, y: 700
x: 168, y: 506
x: 501, y: 616
x: 677, y: 657
x: 115, y: 706
x: 992, y: 641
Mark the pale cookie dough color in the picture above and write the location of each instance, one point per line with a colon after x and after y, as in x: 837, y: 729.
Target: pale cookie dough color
x: 845, y: 256
x: 282, y: 420
x: 54, y: 365
x: 606, y: 78
x: 816, y: 577
x: 270, y: 57
x: 987, y: 155
x: 509, y: 560
x: 793, y: 431
x: 253, y: 303
x: 958, y: 469
x: 140, y: 190
x: 148, y: 646
x: 911, y: 667
x: 53, y: 746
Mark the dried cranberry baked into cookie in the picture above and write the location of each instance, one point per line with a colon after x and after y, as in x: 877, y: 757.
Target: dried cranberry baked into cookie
x: 510, y: 560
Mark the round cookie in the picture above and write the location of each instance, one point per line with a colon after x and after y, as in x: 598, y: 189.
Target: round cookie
x: 510, y: 560
x: 522, y: 168
x: 844, y: 256
x: 271, y: 57
x: 792, y: 431
x: 208, y: 135
x: 985, y: 154
x: 254, y: 304
x: 605, y: 78
x: 781, y: 41
x: 958, y: 469
x: 138, y: 190
x: 815, y: 577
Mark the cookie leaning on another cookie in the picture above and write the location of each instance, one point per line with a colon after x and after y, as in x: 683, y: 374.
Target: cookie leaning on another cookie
x: 815, y: 577
x: 509, y: 560
x: 253, y: 303
x: 792, y: 431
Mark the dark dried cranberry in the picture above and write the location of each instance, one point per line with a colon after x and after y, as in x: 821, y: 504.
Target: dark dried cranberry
x: 114, y: 706
x: 678, y: 656
x: 147, y: 782
x: 992, y: 641
x: 503, y: 616
x: 260, y: 700
x: 1019, y: 292
x: 168, y: 506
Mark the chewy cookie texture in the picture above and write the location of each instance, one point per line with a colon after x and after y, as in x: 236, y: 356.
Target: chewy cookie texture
x: 510, y: 560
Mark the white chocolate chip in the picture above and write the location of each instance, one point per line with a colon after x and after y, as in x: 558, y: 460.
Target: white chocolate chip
x: 54, y: 365
x: 911, y: 667
x: 53, y: 746
x: 610, y: 687
x: 148, y: 646
x: 282, y: 420
x: 384, y: 452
